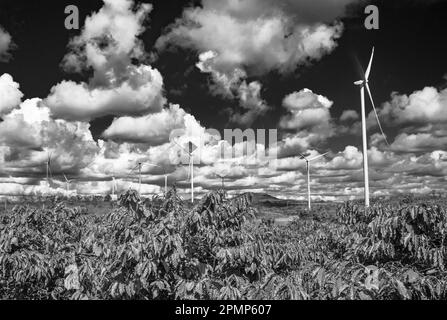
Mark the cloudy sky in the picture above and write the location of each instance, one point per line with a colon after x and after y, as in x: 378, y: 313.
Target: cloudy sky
x: 109, y: 95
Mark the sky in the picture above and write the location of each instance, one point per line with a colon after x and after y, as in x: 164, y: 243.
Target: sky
x: 114, y: 93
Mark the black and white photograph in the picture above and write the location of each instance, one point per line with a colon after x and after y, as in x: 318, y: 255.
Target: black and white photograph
x: 223, y: 150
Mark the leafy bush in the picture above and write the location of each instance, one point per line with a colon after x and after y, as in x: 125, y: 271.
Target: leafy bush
x: 162, y: 249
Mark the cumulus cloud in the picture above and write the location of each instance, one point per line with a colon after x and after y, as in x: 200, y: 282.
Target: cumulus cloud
x: 234, y: 85
x: 245, y: 37
x: 418, y: 142
x: 251, y: 102
x: 5, y: 45
x: 420, y: 117
x: 349, y: 115
x: 306, y: 110
x: 109, y: 45
x: 237, y: 39
x: 10, y: 94
x: 428, y: 105
x: 307, y: 11
x: 30, y: 134
x: 139, y: 95
x: 153, y: 129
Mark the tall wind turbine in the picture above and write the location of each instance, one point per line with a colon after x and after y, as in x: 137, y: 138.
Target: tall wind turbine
x: 364, y: 84
x: 308, y: 174
x: 189, y: 151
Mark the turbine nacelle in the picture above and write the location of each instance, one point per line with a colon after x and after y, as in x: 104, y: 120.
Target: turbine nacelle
x: 359, y: 83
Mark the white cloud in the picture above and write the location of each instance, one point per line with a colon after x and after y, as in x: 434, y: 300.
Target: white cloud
x: 349, y: 115
x: 237, y: 39
x: 420, y: 117
x: 307, y: 110
x: 259, y: 41
x: 5, y: 45
x: 153, y: 129
x: 141, y: 94
x: 108, y: 44
x: 109, y: 40
x: 425, y: 106
x: 30, y: 134
x: 10, y: 94
x: 306, y: 11
x: 419, y: 142
x: 251, y: 102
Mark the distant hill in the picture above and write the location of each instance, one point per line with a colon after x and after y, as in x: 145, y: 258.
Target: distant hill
x: 267, y: 200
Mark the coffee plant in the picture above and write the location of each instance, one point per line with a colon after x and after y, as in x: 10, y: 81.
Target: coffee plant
x: 218, y: 249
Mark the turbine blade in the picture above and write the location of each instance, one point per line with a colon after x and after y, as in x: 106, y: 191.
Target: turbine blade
x: 302, y: 156
x: 368, y: 71
x: 65, y: 177
x: 375, y: 112
x: 318, y: 157
x: 359, y: 67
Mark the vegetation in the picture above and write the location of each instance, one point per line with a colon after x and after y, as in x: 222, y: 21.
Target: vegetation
x: 160, y: 249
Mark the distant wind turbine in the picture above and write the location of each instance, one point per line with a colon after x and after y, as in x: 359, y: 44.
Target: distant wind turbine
x: 114, y: 188
x: 164, y: 173
x: 139, y: 175
x: 67, y: 182
x: 140, y: 165
x: 49, y: 173
x: 308, y: 174
x: 189, y: 151
x: 364, y: 84
x: 222, y: 177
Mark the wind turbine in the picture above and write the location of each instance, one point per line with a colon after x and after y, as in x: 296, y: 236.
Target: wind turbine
x: 139, y: 174
x: 222, y: 177
x: 114, y: 188
x: 49, y: 173
x: 164, y: 173
x: 308, y: 174
x: 67, y: 182
x: 189, y: 152
x: 364, y: 84
x: 140, y: 165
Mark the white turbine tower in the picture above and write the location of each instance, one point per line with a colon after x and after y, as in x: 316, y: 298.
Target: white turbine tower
x: 223, y: 169
x: 364, y: 84
x: 67, y: 182
x: 308, y: 174
x: 189, y: 151
x: 222, y: 177
x: 114, y: 188
x: 140, y: 165
x: 49, y: 173
x: 139, y: 174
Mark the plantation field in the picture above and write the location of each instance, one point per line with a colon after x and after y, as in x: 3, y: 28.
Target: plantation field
x: 224, y: 249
